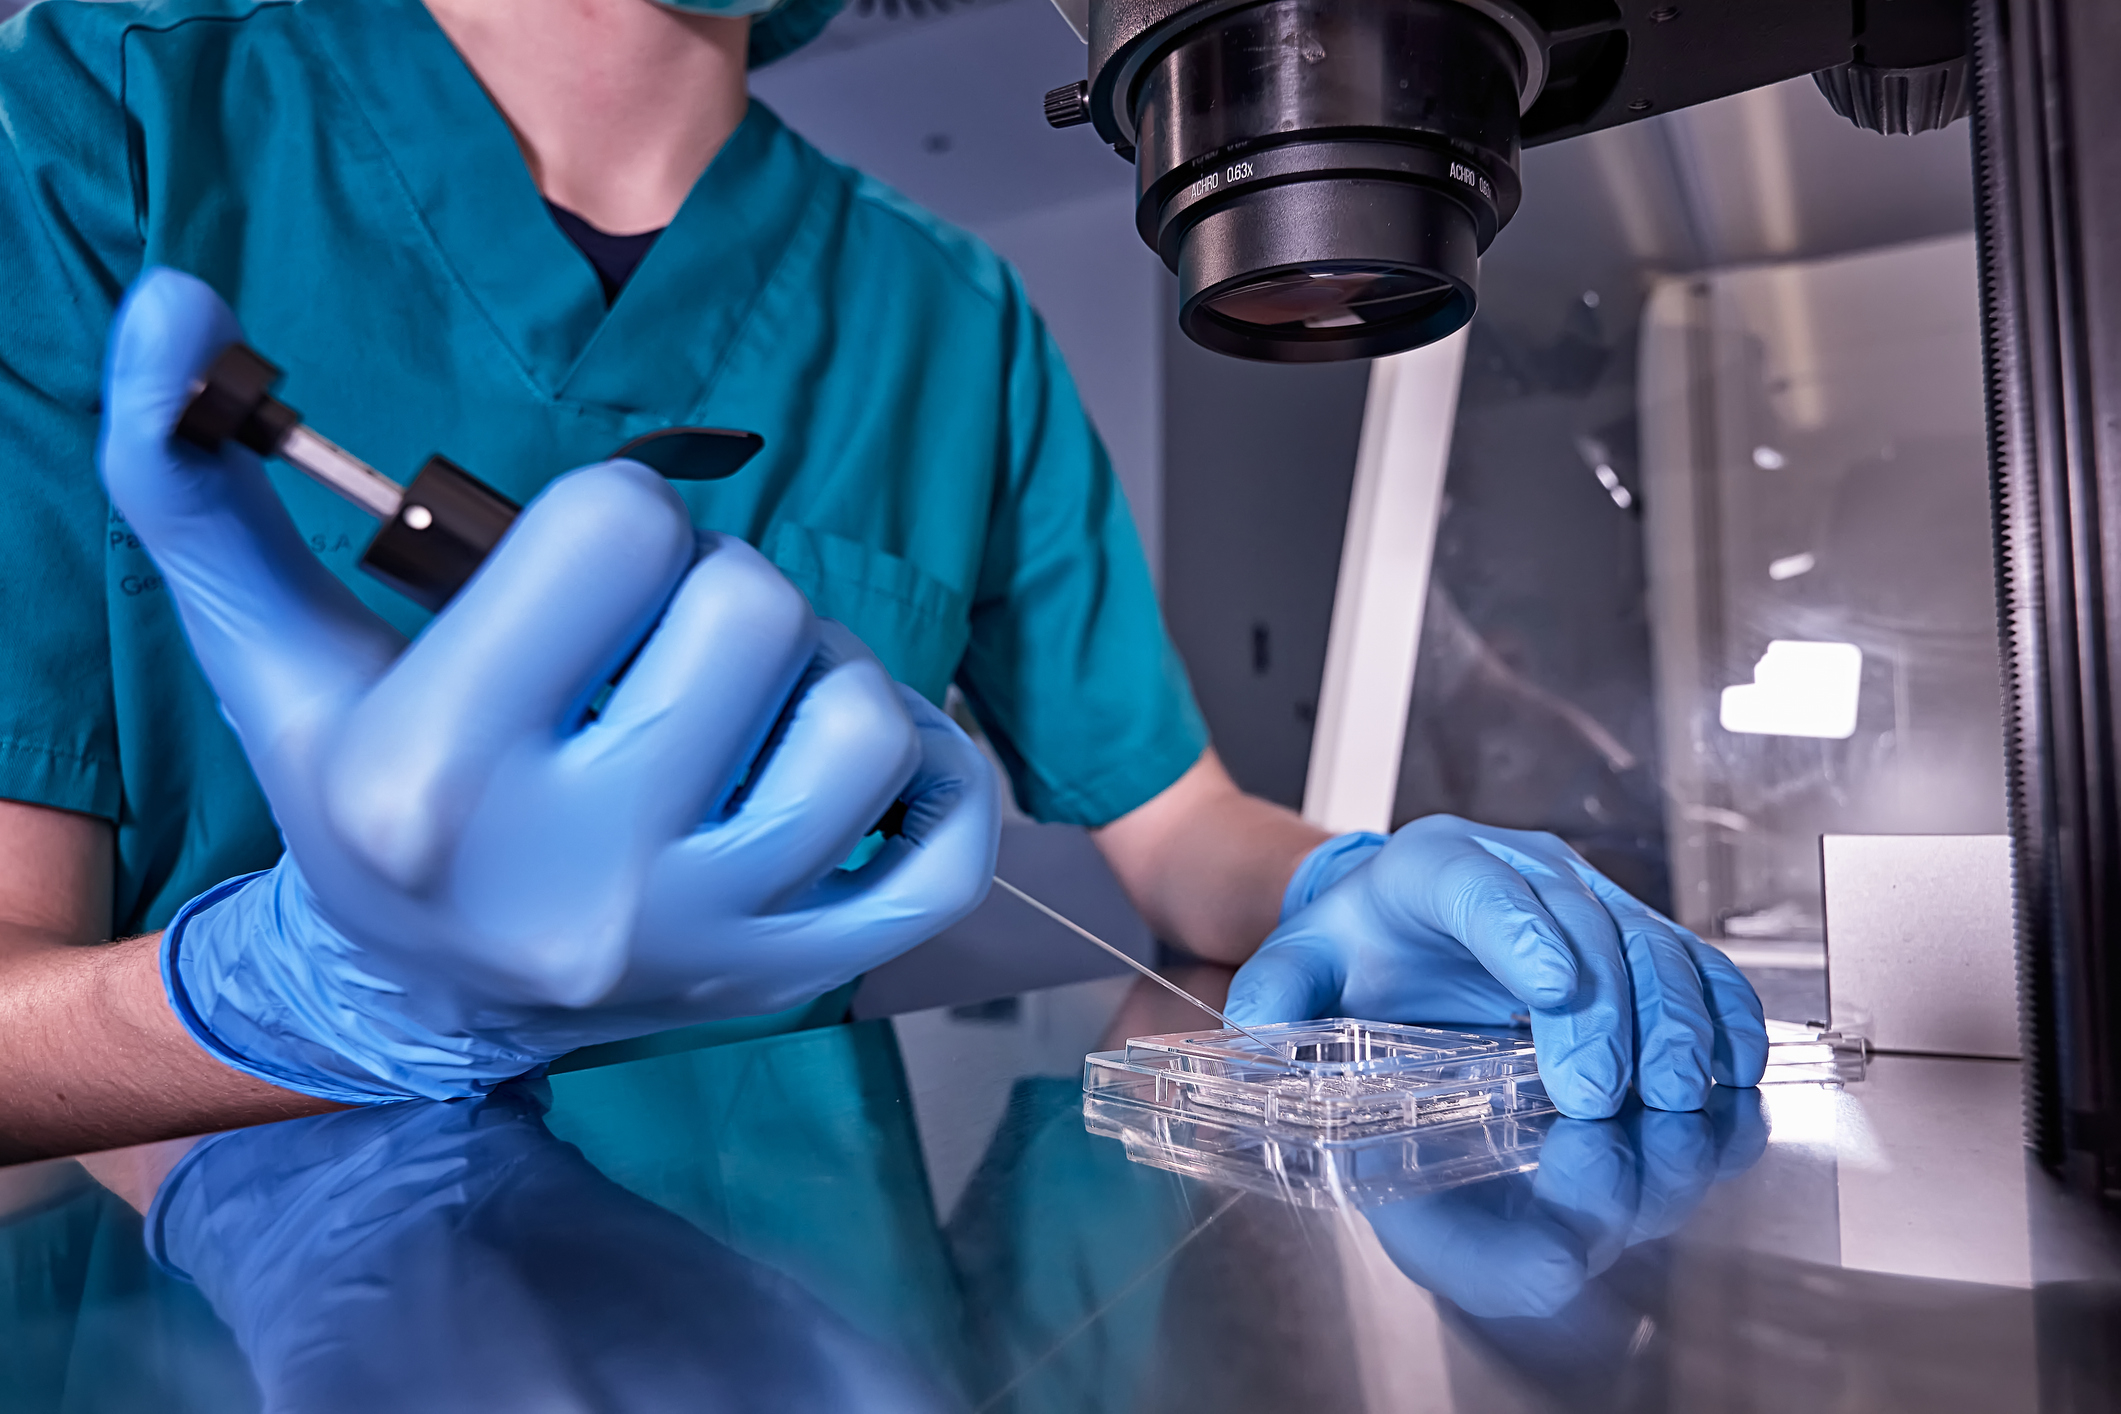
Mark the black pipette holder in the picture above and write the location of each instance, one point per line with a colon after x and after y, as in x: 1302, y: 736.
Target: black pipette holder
x: 449, y: 523
x: 234, y: 403
x: 445, y: 525
x: 447, y: 520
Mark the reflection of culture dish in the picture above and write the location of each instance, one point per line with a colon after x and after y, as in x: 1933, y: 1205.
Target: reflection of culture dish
x: 1338, y: 1111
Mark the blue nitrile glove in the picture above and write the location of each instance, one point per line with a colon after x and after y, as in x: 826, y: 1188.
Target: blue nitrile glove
x: 1526, y: 1245
x: 459, y: 1258
x: 479, y: 876
x: 1449, y: 921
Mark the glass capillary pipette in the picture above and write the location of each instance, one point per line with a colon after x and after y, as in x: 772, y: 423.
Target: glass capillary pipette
x: 1172, y: 987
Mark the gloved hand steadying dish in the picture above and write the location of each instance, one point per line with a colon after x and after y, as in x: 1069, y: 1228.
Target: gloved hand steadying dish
x: 1449, y: 921
x: 480, y: 873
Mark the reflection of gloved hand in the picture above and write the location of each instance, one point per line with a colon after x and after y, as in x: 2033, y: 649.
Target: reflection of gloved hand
x: 458, y: 1257
x: 1526, y: 1245
x: 479, y: 875
x: 1449, y: 921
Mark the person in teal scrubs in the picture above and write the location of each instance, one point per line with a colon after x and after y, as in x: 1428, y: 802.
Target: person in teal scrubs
x: 522, y: 234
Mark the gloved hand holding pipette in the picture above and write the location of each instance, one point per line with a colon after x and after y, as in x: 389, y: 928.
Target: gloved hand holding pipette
x: 480, y: 874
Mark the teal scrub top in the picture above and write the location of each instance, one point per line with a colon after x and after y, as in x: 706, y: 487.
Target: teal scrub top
x: 929, y: 477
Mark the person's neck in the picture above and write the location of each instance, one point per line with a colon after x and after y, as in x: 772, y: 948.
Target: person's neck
x: 618, y: 105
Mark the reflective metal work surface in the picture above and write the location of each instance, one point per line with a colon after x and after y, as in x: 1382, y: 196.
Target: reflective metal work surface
x: 910, y: 1214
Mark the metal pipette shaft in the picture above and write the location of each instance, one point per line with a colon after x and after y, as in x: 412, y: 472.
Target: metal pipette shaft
x: 1172, y: 987
x: 339, y: 470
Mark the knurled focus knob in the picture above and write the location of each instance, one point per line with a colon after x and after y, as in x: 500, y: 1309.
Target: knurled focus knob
x: 1898, y: 100
x: 1069, y: 105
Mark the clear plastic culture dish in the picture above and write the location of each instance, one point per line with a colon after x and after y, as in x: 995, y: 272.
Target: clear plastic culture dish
x: 1339, y: 1110
x: 1335, y: 1076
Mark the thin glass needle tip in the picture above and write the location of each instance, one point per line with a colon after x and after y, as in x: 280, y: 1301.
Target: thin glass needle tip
x: 1172, y: 987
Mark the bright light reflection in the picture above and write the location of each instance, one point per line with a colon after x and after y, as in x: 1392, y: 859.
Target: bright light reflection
x: 1800, y: 1114
x: 1610, y: 479
x: 1826, y: 1117
x: 1798, y: 689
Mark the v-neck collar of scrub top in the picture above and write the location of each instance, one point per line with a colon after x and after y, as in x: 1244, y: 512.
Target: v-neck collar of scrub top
x: 662, y: 342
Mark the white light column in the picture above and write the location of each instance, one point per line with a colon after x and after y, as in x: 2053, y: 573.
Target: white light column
x: 1383, y: 587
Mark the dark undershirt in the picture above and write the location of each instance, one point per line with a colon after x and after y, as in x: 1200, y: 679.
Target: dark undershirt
x: 614, y: 257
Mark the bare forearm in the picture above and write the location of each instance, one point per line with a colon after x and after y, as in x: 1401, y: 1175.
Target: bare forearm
x: 92, y: 1057
x: 1206, y: 864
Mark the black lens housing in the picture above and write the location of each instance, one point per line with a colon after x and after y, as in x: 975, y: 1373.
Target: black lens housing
x: 1322, y: 175
x: 1294, y: 153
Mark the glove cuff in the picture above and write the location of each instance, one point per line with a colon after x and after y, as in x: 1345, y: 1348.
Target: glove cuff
x: 269, y: 989
x: 182, y: 947
x: 1326, y: 866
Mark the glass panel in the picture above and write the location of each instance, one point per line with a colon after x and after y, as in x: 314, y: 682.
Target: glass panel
x: 1822, y: 604
x: 1714, y: 575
